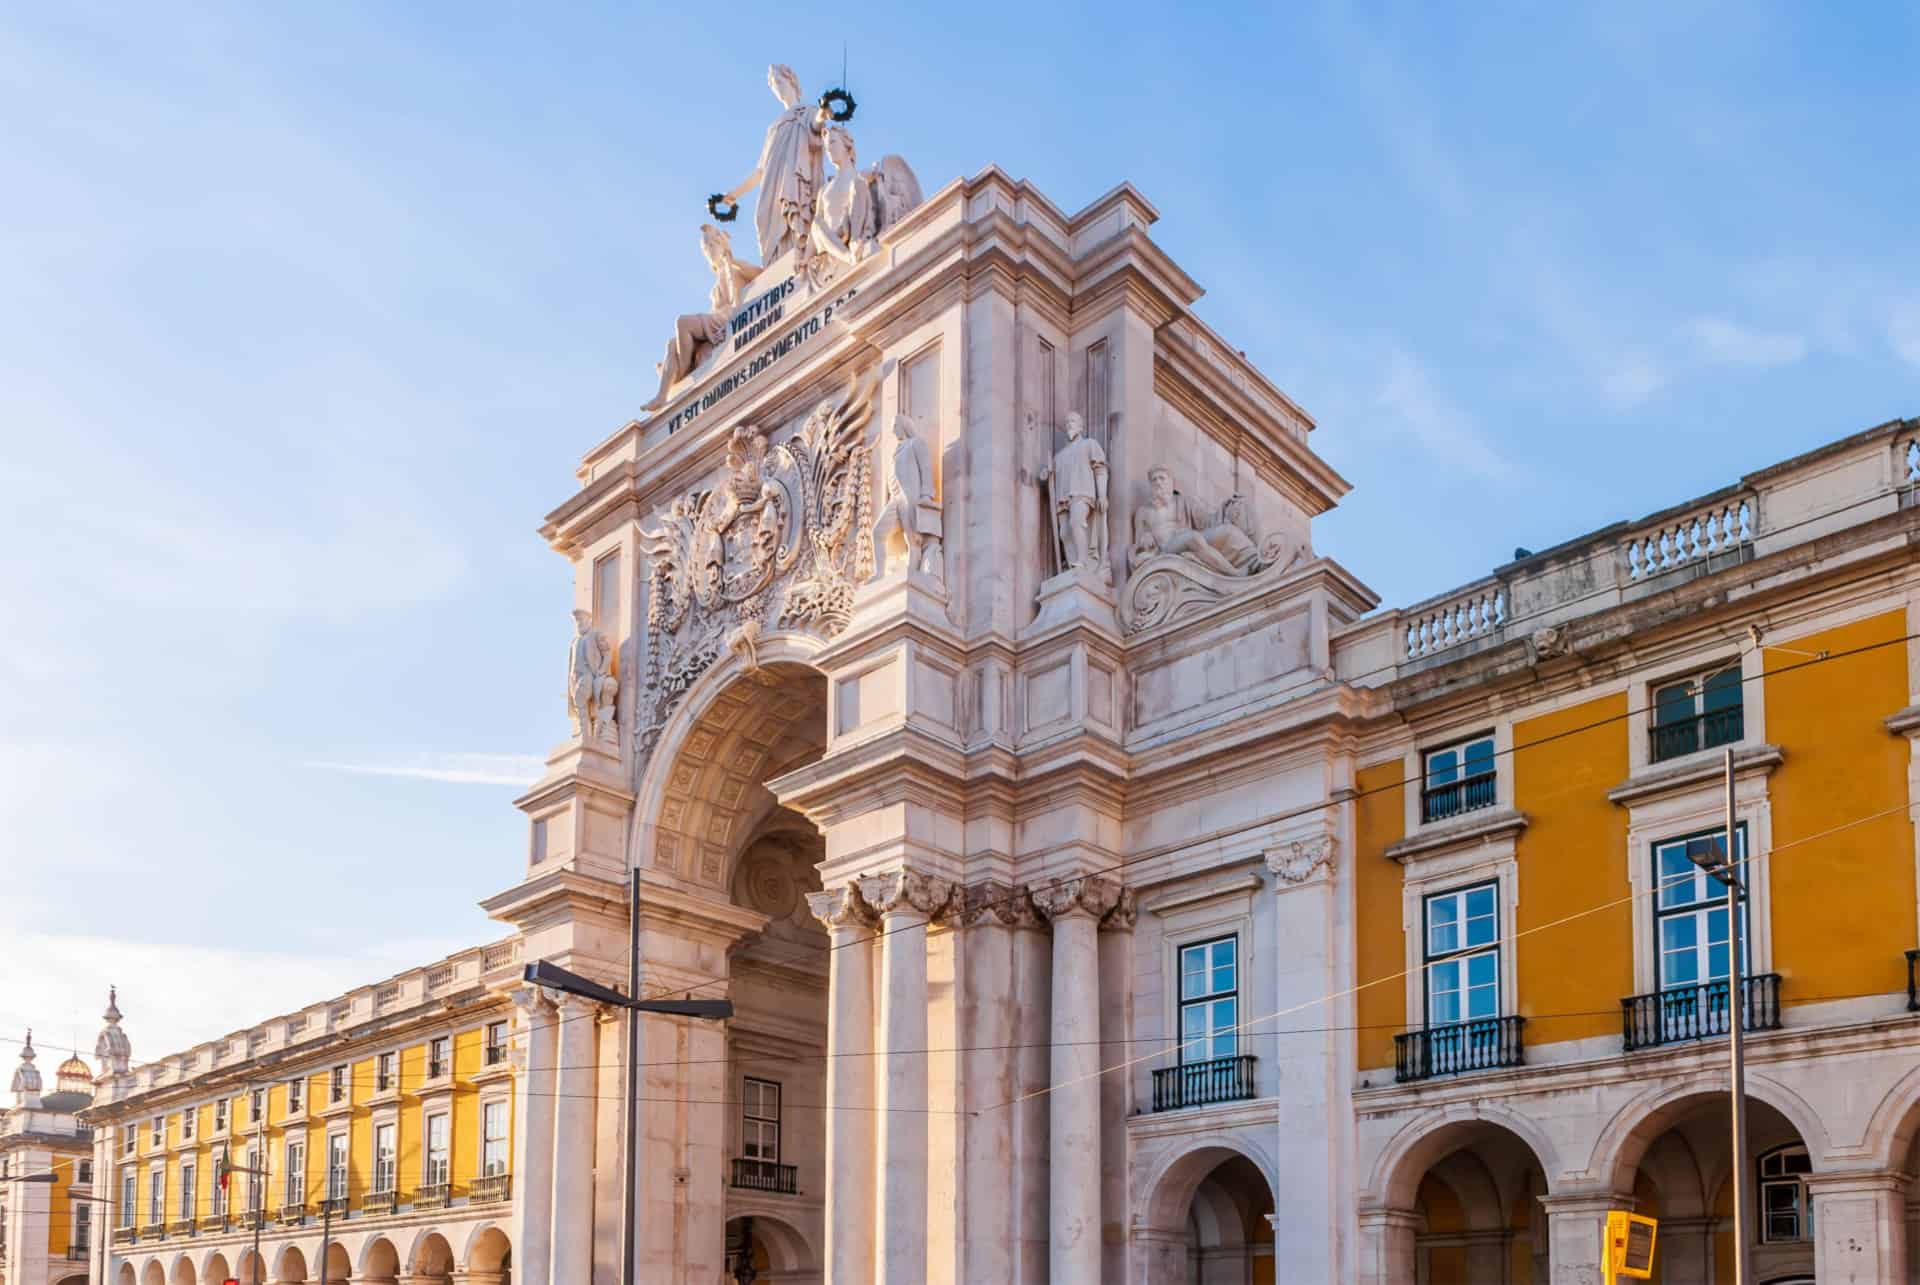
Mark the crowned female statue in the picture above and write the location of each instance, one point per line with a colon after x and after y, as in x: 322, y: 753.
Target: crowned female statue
x: 789, y: 172
x: 853, y: 209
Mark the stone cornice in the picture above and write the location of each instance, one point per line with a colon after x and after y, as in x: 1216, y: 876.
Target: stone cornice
x: 558, y: 892
x: 1694, y: 770
x: 1474, y: 828
x: 1207, y: 397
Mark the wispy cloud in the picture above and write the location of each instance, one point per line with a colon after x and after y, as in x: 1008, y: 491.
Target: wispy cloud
x: 1720, y: 340
x: 454, y: 769
x: 1418, y: 406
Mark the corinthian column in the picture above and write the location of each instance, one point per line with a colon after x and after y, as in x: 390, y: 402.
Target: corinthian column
x: 850, y: 1168
x: 573, y: 1142
x: 905, y: 901
x: 533, y: 1139
x: 1075, y: 908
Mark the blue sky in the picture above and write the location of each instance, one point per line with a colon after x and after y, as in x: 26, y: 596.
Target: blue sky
x: 312, y: 310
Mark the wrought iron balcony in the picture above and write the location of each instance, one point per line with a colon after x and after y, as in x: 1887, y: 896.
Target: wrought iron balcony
x: 432, y: 1195
x: 1671, y: 738
x: 290, y: 1215
x: 1699, y: 1012
x: 1198, y: 1084
x: 494, y: 1186
x: 124, y: 1236
x: 496, y: 1054
x: 1480, y: 1045
x: 253, y: 1219
x: 180, y: 1227
x: 214, y: 1222
x: 377, y: 1202
x: 1441, y: 802
x: 335, y: 1206
x: 153, y: 1231
x: 766, y: 1175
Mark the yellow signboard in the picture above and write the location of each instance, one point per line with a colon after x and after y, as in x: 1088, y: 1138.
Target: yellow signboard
x: 1628, y: 1248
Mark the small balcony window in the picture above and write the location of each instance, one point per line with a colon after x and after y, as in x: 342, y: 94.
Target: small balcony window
x: 220, y: 1116
x: 383, y: 1072
x: 496, y: 1043
x: 296, y: 1096
x: 337, y: 1084
x: 1459, y: 778
x: 437, y: 1060
x: 1700, y: 711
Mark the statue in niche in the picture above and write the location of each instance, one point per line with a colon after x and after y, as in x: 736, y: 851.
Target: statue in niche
x: 911, y: 508
x: 854, y: 208
x: 592, y: 687
x: 1170, y: 523
x: 789, y: 172
x: 699, y: 333
x: 1077, y: 488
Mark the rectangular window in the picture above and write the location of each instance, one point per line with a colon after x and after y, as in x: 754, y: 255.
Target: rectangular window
x: 760, y: 1124
x: 1458, y: 779
x: 1785, y: 1212
x: 606, y: 595
x: 156, y: 1131
x: 129, y: 1185
x: 383, y: 1072
x: 1209, y: 1000
x: 220, y: 1116
x: 496, y: 1043
x: 383, y: 1157
x: 189, y: 1188
x: 131, y: 1139
x: 257, y: 1106
x: 493, y: 1139
x: 1462, y: 959
x: 187, y: 1121
x: 337, y: 1084
x: 296, y: 1096
x: 295, y: 1192
x: 157, y: 1194
x: 86, y: 1173
x: 437, y: 1060
x: 83, y: 1223
x: 1699, y: 711
x: 1690, y: 910
x: 336, y: 1166
x: 256, y: 1180
x: 436, y: 1170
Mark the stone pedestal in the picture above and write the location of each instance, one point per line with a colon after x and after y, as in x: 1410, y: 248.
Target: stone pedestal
x: 533, y: 1121
x: 850, y: 1118
x: 1077, y: 595
x: 1859, y: 1228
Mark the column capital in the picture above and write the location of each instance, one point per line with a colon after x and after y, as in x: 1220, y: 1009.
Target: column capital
x: 1587, y: 1202
x: 1301, y: 861
x: 1010, y: 905
x: 533, y: 1001
x: 841, y: 907
x: 906, y: 890
x: 1124, y: 913
x: 1090, y: 895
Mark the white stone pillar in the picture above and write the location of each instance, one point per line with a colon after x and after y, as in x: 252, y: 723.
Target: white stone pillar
x: 1386, y: 1246
x: 989, y: 1230
x: 1576, y: 1227
x: 532, y: 1233
x: 573, y: 1140
x: 906, y: 902
x: 1859, y: 1228
x: 1075, y: 908
x: 850, y: 1144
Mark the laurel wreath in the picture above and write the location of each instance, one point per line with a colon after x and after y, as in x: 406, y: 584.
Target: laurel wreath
x: 839, y: 105
x: 719, y: 199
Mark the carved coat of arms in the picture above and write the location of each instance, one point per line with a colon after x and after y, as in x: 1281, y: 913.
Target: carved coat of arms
x: 781, y: 542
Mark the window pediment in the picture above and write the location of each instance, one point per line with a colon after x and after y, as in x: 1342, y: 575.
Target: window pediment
x: 1677, y: 775
x: 1474, y: 828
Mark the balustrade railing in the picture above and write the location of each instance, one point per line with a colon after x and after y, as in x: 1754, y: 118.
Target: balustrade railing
x: 124, y: 1236
x: 290, y: 1215
x: 1677, y: 736
x: 1698, y: 1012
x: 377, y: 1202
x: 1719, y: 528
x: 1194, y: 1084
x: 1481, y: 1045
x: 766, y: 1175
x: 432, y: 1195
x: 1439, y: 802
x: 1476, y: 614
x: 494, y: 1186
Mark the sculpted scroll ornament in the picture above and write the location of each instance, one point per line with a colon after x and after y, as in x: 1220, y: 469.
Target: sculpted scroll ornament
x: 1300, y: 860
x: 781, y: 542
x: 1187, y: 556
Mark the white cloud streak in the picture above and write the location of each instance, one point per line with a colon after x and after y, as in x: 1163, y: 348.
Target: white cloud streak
x: 1720, y: 340
x: 453, y: 769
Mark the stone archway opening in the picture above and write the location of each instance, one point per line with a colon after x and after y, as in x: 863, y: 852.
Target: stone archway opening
x: 291, y: 1268
x: 339, y: 1265
x: 764, y: 1250
x: 1467, y: 1209
x: 490, y: 1260
x: 433, y: 1261
x: 250, y: 1268
x: 1680, y: 1161
x: 215, y: 1268
x: 1207, y: 1222
x: 380, y: 1262
x: 127, y: 1275
x: 153, y: 1273
x: 183, y: 1273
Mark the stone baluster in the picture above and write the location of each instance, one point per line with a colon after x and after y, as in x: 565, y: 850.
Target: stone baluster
x: 1075, y: 907
x: 533, y: 1116
x: 906, y: 902
x: 850, y: 1159
x: 573, y: 1141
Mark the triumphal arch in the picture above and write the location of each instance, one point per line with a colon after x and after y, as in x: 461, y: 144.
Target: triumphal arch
x: 951, y: 675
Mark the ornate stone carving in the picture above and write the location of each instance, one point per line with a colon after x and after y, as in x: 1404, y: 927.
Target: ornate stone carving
x: 841, y: 907
x: 1549, y: 642
x: 906, y: 890
x: 1302, y: 859
x: 781, y: 541
x: 789, y: 171
x: 1187, y: 556
x: 592, y: 688
x: 1076, y: 485
x: 853, y: 209
x: 1124, y: 913
x: 766, y: 884
x: 911, y: 509
x: 1081, y: 895
x: 697, y: 334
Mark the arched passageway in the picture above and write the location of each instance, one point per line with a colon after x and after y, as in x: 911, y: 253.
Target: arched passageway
x: 379, y: 1262
x: 183, y: 1273
x: 490, y: 1258
x: 433, y: 1261
x: 290, y: 1266
x: 764, y: 1250
x: 339, y: 1265
x: 1464, y: 1208
x: 1206, y: 1222
x: 153, y: 1273
x: 215, y: 1268
x: 127, y: 1275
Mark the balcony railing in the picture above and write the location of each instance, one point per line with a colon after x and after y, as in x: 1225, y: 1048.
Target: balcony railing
x: 377, y: 1202
x: 334, y: 1205
x: 1198, y: 1084
x: 124, y: 1236
x: 1439, y: 802
x: 1913, y: 982
x: 766, y: 1175
x: 213, y: 1222
x: 153, y: 1231
x: 1698, y: 1012
x: 1670, y: 738
x: 494, y: 1186
x: 432, y: 1195
x: 253, y: 1218
x: 79, y: 1253
x: 496, y: 1054
x: 180, y: 1227
x: 1480, y: 1045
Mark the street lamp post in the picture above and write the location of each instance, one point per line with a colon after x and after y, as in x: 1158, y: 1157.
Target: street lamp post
x: 554, y: 977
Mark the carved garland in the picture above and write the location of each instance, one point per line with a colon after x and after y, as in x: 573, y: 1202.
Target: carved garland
x: 785, y: 538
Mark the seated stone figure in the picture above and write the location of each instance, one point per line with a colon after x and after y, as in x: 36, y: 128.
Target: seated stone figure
x: 1168, y: 523
x: 698, y: 333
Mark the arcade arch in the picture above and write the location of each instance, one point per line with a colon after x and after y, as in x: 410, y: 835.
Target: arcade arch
x: 1463, y: 1203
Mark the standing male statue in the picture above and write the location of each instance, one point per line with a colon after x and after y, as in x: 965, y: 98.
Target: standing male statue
x: 790, y: 169
x: 1077, y: 482
x: 592, y: 688
x: 911, y: 509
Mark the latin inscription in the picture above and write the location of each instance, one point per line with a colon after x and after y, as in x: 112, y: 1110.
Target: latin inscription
x: 758, y: 319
